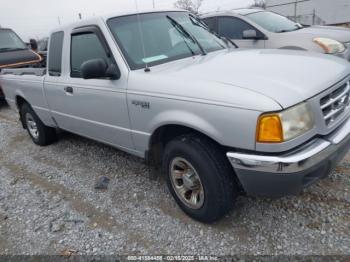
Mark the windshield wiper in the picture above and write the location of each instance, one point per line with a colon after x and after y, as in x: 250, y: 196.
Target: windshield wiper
x: 284, y: 31
x: 290, y: 30
x: 228, y: 40
x: 186, y: 33
x: 199, y: 23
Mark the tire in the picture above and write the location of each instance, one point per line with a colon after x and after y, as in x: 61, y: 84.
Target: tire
x: 44, y: 135
x: 217, y: 191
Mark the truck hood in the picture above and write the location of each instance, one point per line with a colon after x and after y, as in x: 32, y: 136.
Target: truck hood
x: 337, y: 33
x: 285, y: 76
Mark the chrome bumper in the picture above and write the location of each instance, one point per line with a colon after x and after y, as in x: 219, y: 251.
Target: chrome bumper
x: 304, y: 158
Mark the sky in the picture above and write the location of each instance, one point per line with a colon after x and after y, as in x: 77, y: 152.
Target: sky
x: 36, y: 18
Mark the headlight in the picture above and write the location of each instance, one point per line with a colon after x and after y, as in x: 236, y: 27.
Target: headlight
x: 330, y: 46
x: 286, y: 125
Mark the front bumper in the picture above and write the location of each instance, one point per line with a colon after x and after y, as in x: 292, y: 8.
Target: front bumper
x: 289, y: 173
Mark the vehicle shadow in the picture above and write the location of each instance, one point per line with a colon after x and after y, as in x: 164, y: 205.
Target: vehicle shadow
x: 257, y: 208
x: 253, y: 222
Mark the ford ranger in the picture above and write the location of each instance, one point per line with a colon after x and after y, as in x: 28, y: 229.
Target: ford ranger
x: 216, y: 120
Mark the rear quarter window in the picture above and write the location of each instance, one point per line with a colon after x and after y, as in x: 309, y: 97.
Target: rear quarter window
x: 55, y: 54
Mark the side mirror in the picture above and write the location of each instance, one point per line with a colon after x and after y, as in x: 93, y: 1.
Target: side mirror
x: 33, y: 44
x: 98, y: 68
x: 113, y: 72
x: 250, y: 34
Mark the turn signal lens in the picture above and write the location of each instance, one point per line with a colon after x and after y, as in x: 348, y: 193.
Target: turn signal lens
x: 269, y: 129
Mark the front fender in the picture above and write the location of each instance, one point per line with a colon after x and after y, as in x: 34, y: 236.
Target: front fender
x: 186, y: 119
x: 232, y: 127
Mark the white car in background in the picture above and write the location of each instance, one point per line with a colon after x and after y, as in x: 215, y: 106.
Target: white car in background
x: 256, y: 28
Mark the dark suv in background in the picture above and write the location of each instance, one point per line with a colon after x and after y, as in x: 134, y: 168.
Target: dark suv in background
x: 14, y: 52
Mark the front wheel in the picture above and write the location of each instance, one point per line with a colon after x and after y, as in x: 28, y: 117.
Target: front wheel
x: 41, y: 135
x: 199, y: 177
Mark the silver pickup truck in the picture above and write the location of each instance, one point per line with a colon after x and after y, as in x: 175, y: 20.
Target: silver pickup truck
x: 216, y: 120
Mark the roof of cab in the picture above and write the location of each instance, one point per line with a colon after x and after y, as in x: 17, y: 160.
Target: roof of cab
x: 93, y: 20
x: 242, y: 11
x: 247, y: 11
x: 141, y: 11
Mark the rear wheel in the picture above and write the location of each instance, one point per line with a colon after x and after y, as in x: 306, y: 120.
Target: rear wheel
x: 41, y: 135
x: 199, y: 177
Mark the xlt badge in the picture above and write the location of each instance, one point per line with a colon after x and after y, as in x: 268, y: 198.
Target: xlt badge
x: 142, y: 104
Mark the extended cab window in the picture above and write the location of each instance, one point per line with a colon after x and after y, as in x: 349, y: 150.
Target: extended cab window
x: 85, y: 47
x: 232, y: 28
x: 55, y: 54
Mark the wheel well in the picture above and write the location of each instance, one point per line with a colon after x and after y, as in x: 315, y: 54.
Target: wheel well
x: 165, y: 134
x: 162, y: 136
x: 19, y: 102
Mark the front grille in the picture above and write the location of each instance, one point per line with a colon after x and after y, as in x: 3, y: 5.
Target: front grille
x: 335, y: 104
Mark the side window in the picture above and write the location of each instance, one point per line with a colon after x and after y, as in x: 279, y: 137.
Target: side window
x: 211, y: 23
x: 85, y: 47
x: 55, y: 54
x: 232, y: 27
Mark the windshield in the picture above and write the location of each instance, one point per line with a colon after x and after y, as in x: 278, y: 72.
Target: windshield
x: 166, y: 37
x: 9, y: 41
x: 273, y: 22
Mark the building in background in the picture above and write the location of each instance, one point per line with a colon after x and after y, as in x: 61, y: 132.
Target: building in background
x: 313, y: 12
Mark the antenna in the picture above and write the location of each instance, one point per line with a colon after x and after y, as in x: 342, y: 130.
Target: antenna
x: 147, y: 69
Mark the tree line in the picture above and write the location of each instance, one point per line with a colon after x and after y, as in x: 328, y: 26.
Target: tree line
x: 194, y: 5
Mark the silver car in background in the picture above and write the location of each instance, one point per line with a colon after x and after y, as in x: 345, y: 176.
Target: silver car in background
x: 256, y: 28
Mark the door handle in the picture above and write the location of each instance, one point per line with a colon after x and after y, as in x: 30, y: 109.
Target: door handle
x: 68, y: 89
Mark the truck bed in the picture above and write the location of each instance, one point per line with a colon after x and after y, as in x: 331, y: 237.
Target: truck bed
x: 24, y: 71
x: 27, y: 83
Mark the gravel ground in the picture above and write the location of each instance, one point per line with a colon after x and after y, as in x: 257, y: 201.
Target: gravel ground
x: 48, y: 205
